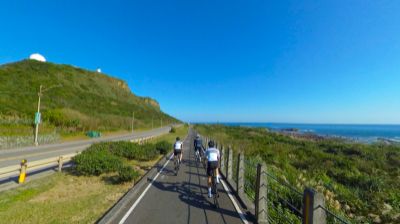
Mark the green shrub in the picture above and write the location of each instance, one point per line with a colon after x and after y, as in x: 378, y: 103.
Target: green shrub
x: 163, y: 147
x: 127, y: 173
x: 173, y: 130
x: 147, y: 152
x: 96, y: 160
x: 124, y: 149
x: 131, y: 151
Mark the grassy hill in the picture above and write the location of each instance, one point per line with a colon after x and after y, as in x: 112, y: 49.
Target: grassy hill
x: 82, y: 100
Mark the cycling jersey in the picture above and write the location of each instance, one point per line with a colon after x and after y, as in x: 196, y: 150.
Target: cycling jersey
x: 212, y: 154
x: 198, y: 143
x: 178, y: 145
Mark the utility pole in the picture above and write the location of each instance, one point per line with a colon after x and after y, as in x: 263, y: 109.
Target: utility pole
x: 152, y: 122
x: 37, y: 117
x: 133, y: 120
x: 161, y: 122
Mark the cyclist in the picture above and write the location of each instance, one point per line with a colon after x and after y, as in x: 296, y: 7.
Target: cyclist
x: 198, y: 147
x: 178, y: 147
x: 213, y: 156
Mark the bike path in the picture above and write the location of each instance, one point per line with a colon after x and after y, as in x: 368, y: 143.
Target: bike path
x: 183, y: 198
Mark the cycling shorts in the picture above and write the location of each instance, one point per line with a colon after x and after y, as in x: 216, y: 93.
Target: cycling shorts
x: 211, y: 166
x: 177, y: 152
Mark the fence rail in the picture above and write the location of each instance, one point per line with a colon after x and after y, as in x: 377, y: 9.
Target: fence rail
x: 274, y: 200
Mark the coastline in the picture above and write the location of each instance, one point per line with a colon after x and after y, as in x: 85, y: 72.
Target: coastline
x: 359, y: 133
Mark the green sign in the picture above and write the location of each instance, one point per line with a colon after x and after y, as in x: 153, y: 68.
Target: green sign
x: 37, y: 118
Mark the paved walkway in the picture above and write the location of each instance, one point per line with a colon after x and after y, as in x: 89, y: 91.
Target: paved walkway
x: 182, y: 198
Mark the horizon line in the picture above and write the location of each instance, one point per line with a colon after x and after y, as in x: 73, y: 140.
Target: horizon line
x: 295, y: 123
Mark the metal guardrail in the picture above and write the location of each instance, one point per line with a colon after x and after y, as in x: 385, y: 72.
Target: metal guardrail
x: 14, y: 170
x: 274, y: 200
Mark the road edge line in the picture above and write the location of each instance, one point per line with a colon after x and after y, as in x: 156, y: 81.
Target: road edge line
x: 128, y: 213
x: 238, y: 210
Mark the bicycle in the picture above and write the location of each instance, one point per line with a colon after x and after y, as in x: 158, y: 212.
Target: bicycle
x: 214, y: 188
x: 197, y: 155
x: 177, y: 164
x: 204, y: 160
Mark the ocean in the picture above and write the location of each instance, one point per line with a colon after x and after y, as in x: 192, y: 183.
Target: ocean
x: 363, y: 133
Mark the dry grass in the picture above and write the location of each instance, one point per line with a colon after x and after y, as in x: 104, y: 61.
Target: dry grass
x: 60, y: 198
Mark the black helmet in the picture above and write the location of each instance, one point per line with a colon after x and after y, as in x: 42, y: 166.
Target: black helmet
x: 211, y: 144
x: 177, y: 138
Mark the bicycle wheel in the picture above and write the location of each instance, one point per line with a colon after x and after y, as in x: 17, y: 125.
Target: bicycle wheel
x: 176, y: 165
x: 214, y: 191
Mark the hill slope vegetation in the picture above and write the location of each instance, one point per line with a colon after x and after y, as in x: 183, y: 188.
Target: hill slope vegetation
x: 75, y: 100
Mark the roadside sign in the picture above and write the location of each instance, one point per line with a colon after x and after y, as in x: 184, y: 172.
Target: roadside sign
x: 37, y: 118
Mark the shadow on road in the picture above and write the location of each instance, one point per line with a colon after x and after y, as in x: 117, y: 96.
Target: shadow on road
x: 187, y: 194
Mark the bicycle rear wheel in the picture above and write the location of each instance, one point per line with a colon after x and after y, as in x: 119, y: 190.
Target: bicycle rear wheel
x: 214, y: 191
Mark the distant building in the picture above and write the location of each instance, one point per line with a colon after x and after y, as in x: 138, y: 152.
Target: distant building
x: 37, y: 57
x: 98, y: 70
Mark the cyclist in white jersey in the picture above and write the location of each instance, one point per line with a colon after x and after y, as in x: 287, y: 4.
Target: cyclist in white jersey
x: 213, y: 156
x: 178, y: 146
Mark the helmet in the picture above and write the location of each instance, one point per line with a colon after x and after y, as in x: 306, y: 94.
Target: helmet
x: 197, y: 136
x: 211, y: 144
x: 177, y: 138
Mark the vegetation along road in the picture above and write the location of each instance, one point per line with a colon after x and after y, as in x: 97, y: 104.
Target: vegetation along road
x: 14, y: 156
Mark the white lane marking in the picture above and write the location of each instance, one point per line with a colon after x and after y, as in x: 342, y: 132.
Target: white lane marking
x: 143, y: 193
x: 145, y: 190
x: 244, y: 220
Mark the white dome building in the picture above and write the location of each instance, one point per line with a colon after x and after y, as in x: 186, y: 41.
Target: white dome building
x: 37, y: 57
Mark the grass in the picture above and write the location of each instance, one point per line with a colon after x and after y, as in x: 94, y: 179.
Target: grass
x: 359, y: 181
x: 67, y: 198
x: 60, y: 198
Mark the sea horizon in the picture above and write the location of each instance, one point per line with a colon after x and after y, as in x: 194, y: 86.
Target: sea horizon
x: 357, y: 132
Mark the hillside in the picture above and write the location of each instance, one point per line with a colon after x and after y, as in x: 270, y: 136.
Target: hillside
x: 83, y: 100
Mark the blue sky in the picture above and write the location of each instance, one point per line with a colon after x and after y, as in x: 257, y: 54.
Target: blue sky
x: 268, y: 61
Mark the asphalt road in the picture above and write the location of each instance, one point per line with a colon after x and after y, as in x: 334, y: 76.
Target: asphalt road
x: 14, y: 156
x: 182, y: 198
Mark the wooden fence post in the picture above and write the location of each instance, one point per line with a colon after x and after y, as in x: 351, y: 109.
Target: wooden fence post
x: 229, y: 167
x: 261, y: 209
x: 312, y: 211
x: 222, y: 168
x: 240, y: 175
x: 60, y: 163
